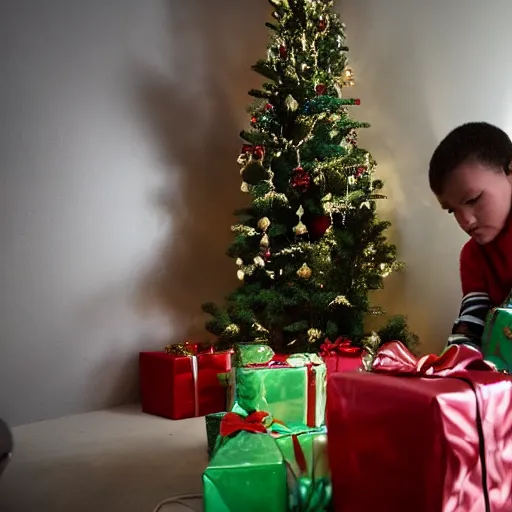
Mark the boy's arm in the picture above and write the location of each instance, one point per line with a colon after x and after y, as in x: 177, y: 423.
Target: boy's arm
x: 469, y: 326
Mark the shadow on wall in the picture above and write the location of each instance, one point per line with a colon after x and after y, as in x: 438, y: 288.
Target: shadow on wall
x: 196, y: 118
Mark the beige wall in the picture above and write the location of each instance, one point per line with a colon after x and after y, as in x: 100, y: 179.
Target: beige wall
x: 118, y: 145
x: 423, y: 68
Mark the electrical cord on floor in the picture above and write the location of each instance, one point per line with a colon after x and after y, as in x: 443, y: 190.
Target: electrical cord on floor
x: 180, y: 500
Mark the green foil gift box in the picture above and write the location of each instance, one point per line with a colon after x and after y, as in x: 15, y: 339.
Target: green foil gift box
x: 309, y: 482
x: 291, y: 388
x: 497, y: 336
x: 261, y: 464
x: 247, y: 471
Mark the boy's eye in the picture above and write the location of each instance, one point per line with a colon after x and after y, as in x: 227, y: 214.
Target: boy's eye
x: 474, y: 199
x: 450, y: 211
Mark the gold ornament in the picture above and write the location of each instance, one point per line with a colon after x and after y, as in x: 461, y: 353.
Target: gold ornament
x: 300, y: 229
x: 304, y: 272
x: 347, y: 78
x: 258, y: 260
x: 264, y: 223
x: 232, y: 330
x: 314, y: 335
x: 244, y: 187
x: 264, y: 242
x: 239, y: 262
x: 240, y: 274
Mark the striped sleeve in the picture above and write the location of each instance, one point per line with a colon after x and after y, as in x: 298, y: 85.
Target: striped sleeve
x: 469, y: 326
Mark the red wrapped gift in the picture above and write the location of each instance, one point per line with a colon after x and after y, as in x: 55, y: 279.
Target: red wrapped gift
x: 183, y: 382
x: 427, y: 435
x: 341, y: 356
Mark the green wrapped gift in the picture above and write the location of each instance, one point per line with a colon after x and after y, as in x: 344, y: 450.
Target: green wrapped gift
x: 497, y: 337
x: 309, y: 480
x: 212, y: 422
x: 291, y: 388
x: 247, y: 472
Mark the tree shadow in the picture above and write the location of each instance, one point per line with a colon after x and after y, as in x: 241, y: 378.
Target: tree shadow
x: 196, y: 118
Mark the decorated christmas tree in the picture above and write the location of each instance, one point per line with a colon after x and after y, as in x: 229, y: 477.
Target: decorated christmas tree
x: 310, y: 247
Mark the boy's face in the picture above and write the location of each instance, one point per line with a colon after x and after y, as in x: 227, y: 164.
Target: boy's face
x: 479, y: 196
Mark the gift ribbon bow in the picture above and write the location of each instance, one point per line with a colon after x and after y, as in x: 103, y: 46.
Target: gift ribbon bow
x: 257, y: 422
x: 189, y: 349
x: 342, y: 346
x: 394, y: 358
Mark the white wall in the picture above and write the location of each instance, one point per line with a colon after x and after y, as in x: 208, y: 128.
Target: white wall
x: 118, y: 144
x: 118, y: 141
x: 422, y: 68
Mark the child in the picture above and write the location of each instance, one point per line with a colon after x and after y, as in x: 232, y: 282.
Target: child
x: 470, y: 175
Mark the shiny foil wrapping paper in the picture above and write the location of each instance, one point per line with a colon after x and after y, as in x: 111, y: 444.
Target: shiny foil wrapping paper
x: 264, y: 471
x: 247, y: 473
x: 438, y: 441
x: 178, y: 387
x: 292, y: 389
x: 497, y: 338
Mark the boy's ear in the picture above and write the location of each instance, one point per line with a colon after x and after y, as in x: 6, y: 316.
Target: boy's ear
x: 508, y: 168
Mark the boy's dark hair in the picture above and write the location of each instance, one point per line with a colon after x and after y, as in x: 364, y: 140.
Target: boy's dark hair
x: 479, y: 142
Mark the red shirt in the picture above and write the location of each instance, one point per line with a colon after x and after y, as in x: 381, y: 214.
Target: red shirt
x: 488, y: 268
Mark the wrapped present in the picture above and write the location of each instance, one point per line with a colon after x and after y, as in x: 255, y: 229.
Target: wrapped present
x: 427, y: 435
x: 497, y: 336
x: 305, y: 453
x: 259, y: 463
x: 183, y: 382
x: 291, y: 388
x: 247, y: 471
x: 212, y: 422
x: 341, y: 356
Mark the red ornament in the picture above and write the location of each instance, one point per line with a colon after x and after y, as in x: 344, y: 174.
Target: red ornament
x: 258, y: 152
x: 247, y: 148
x: 300, y: 180
x: 320, y: 89
x: 267, y: 254
x: 322, y: 25
x: 283, y: 52
x: 269, y: 106
x: 360, y: 171
x: 317, y: 226
x: 357, y: 102
x: 254, y: 120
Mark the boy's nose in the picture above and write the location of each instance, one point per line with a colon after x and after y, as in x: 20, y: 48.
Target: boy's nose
x: 466, y: 219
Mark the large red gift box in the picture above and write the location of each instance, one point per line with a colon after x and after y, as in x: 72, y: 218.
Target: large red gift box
x: 182, y: 386
x: 428, y: 435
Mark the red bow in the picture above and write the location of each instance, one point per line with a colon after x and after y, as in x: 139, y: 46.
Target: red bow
x: 394, y: 358
x: 255, y: 422
x: 342, y: 346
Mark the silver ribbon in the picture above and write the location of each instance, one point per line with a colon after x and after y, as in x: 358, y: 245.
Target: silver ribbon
x: 193, y: 364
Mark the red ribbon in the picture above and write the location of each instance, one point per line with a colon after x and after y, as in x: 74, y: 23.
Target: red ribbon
x: 232, y: 423
x: 342, y: 346
x: 395, y: 359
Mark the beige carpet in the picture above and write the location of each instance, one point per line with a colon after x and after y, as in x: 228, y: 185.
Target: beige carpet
x: 119, y: 460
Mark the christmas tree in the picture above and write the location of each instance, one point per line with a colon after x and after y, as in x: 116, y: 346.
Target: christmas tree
x: 310, y: 247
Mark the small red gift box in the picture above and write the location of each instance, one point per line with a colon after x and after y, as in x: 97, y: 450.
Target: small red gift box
x: 183, y: 383
x: 341, y: 356
x: 427, y: 435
